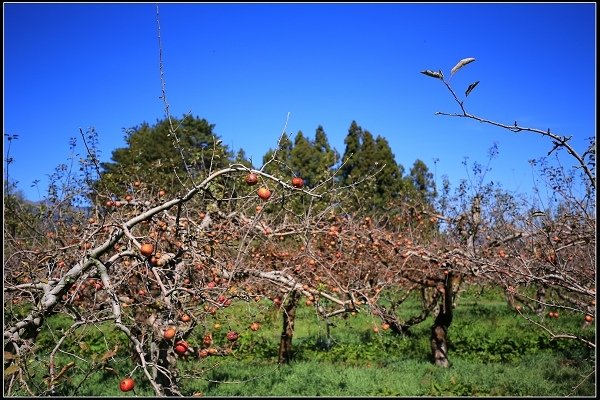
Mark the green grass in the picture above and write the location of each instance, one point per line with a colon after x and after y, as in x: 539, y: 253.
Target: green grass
x: 536, y: 376
x: 493, y: 352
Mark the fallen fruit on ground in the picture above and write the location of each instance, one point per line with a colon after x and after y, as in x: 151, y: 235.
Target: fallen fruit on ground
x: 232, y: 336
x: 254, y: 326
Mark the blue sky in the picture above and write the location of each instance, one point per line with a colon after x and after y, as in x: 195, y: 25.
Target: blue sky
x: 244, y: 67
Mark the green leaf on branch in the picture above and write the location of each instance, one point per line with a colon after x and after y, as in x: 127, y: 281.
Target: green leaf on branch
x: 433, y: 74
x: 471, y: 87
x: 461, y: 64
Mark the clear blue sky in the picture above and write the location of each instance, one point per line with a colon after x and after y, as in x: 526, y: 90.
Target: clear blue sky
x: 244, y: 67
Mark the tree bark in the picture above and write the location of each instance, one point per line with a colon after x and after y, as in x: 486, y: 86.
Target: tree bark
x: 166, y: 377
x: 541, y: 298
x: 439, y: 330
x: 289, y: 314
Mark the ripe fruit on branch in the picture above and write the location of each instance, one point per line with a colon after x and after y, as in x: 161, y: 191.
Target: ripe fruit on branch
x: 232, y: 336
x: 147, y: 249
x: 297, y: 182
x: 264, y: 193
x: 127, y: 384
x: 181, y: 347
x: 589, y: 318
x: 169, y: 333
x: 251, y: 179
x: 185, y: 318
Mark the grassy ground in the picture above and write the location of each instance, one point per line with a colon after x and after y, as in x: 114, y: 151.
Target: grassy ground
x: 493, y: 353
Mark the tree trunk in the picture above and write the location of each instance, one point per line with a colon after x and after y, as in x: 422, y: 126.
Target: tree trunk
x: 289, y: 314
x: 541, y: 299
x: 439, y: 330
x: 163, y: 360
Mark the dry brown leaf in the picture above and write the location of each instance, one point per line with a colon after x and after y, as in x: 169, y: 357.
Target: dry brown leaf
x: 461, y: 64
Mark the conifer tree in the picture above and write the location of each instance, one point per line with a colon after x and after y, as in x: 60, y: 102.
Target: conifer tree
x: 327, y: 156
x: 312, y: 159
x: 389, y: 179
x: 303, y: 160
x: 277, y: 161
x: 373, y: 160
x: 422, y: 182
x: 350, y: 159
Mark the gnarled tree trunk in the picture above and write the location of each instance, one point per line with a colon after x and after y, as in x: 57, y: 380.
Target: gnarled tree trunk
x: 289, y: 314
x: 439, y: 330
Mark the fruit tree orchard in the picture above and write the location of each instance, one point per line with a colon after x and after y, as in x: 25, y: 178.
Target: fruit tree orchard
x: 182, y: 232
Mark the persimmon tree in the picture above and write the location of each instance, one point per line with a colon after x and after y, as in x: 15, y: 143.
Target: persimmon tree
x: 149, y: 260
x: 542, y: 254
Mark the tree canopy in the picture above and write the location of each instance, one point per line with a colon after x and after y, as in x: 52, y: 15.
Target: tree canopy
x: 173, y: 154
x: 371, y: 159
x: 156, y: 155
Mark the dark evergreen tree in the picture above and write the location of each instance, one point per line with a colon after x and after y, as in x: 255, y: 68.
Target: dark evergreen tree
x: 303, y: 160
x: 327, y: 156
x: 349, y: 170
x: 278, y: 161
x: 240, y: 158
x: 370, y: 160
x: 422, y: 182
x: 157, y: 156
x: 389, y: 179
x: 312, y: 160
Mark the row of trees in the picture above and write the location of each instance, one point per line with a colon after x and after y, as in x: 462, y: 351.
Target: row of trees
x: 152, y: 156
